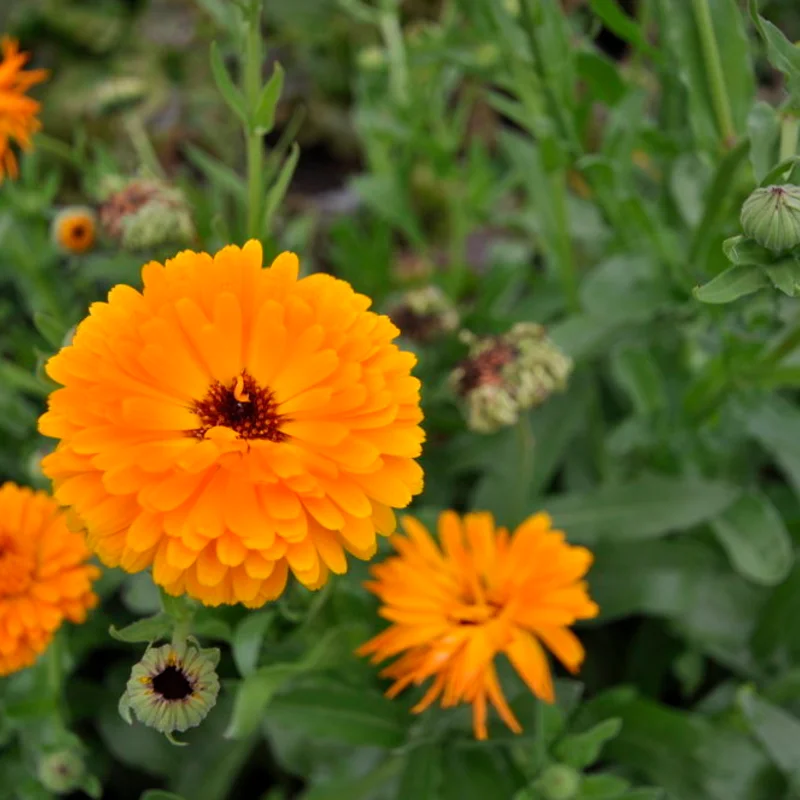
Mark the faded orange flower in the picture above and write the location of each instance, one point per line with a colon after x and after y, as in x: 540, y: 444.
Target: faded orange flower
x: 44, y: 577
x: 18, y: 120
x: 231, y: 423
x: 74, y: 229
x: 485, y: 592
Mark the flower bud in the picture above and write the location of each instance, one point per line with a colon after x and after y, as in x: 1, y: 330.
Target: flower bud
x: 559, y: 782
x: 61, y: 771
x: 145, y: 213
x: 506, y: 374
x: 73, y: 229
x: 771, y: 216
x: 172, y: 688
x: 425, y: 313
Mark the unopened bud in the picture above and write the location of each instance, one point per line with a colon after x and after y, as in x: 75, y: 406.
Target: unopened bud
x: 145, y: 213
x: 559, y: 782
x: 506, y: 374
x: 771, y: 216
x: 425, y: 313
x: 61, y: 771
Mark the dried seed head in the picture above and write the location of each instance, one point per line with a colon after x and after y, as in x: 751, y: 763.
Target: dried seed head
x: 423, y: 314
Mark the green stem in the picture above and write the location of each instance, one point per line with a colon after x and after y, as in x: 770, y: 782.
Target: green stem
x: 789, y: 130
x: 714, y: 73
x: 789, y: 341
x: 395, y: 47
x: 526, y: 445
x: 255, y: 144
x: 565, y: 258
x: 142, y: 145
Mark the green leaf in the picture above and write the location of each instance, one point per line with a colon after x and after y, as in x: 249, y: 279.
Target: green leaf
x: 619, y: 23
x: 221, y: 176
x: 264, y: 117
x: 477, y: 774
x: 159, y: 794
x: 635, y: 371
x: 644, y: 509
x: 278, y: 189
x: 687, y: 754
x: 753, y: 535
x: 775, y: 424
x: 332, y: 710
x: 144, y: 630
x: 643, y: 794
x: 785, y: 276
x: 361, y: 787
x: 776, y: 730
x: 247, y: 640
x: 580, y: 750
x: 741, y: 250
x: 735, y: 282
x: 422, y: 775
x: 783, y: 55
x: 777, y: 638
x: 54, y: 331
x: 229, y: 91
x: 253, y: 696
x: 602, y: 787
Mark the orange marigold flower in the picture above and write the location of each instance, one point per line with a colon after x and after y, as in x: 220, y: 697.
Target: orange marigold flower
x: 44, y: 577
x: 230, y: 423
x: 74, y: 229
x: 18, y: 121
x: 486, y: 592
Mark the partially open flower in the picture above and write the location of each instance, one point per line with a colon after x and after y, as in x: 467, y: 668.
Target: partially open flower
x: 145, y: 213
x: 425, y: 313
x: 74, y: 229
x: 172, y: 688
x: 506, y: 374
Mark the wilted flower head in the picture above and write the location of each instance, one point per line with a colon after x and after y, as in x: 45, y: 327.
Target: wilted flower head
x: 18, y: 113
x: 771, y: 216
x: 172, y: 688
x: 74, y: 229
x: 44, y: 577
x: 230, y: 423
x: 425, y: 313
x: 481, y: 591
x: 506, y: 374
x: 146, y: 212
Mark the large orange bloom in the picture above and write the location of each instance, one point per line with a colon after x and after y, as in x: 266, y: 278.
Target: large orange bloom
x: 230, y: 423
x: 487, y: 592
x: 18, y: 121
x: 43, y: 575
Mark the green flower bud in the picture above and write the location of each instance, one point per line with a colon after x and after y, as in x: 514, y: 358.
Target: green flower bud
x: 771, y: 216
x: 61, y: 771
x: 559, y: 782
x: 172, y: 688
x: 506, y: 374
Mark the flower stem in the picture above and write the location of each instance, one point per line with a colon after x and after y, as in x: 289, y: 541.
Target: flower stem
x: 790, y: 125
x: 563, y: 245
x: 714, y: 73
x: 395, y: 48
x: 526, y: 445
x: 255, y: 145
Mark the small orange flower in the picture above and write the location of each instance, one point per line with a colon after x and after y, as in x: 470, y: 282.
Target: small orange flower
x: 486, y: 592
x: 231, y: 423
x: 74, y: 229
x: 18, y: 121
x: 43, y: 575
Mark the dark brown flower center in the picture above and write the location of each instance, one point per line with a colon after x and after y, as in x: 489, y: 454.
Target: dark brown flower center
x: 486, y: 367
x: 79, y: 231
x: 243, y: 406
x: 172, y: 684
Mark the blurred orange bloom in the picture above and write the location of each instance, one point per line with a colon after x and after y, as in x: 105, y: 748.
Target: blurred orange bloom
x: 74, y: 229
x: 18, y: 121
x: 231, y: 423
x: 43, y: 575
x: 485, y: 592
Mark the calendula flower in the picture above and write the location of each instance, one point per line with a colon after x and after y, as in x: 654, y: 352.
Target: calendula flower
x: 231, y: 423
x: 483, y: 593
x: 73, y: 229
x: 44, y: 577
x: 18, y: 112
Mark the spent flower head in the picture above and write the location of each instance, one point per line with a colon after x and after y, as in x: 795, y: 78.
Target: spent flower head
x: 425, y: 313
x: 504, y: 375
